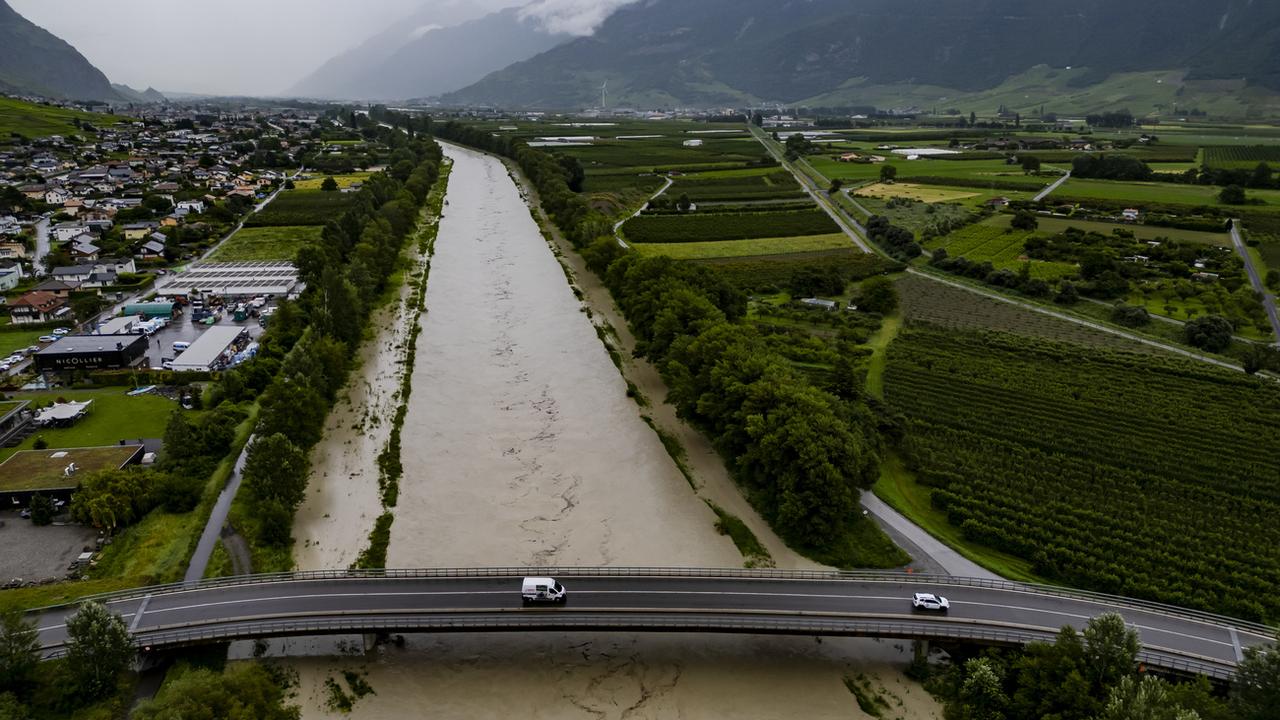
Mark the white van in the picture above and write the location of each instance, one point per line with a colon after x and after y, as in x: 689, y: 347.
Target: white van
x: 180, y: 347
x: 543, y: 590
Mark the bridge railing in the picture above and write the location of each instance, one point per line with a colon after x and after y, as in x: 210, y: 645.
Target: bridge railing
x: 689, y: 572
x: 604, y: 621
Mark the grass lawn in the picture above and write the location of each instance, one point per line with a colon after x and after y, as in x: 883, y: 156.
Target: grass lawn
x: 923, y: 193
x: 43, y: 469
x: 267, y: 243
x: 745, y: 248
x: 899, y: 489
x: 114, y: 416
x: 879, y: 344
x: 993, y: 240
x: 344, y: 181
x: 155, y: 550
x: 14, y: 338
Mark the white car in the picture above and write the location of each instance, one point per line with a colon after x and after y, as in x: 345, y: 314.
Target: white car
x: 61, y: 331
x: 929, y: 601
x: 14, y: 359
x: 33, y: 349
x: 5, y: 367
x: 48, y: 338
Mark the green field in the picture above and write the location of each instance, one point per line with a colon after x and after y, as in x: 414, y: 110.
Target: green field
x: 344, y: 181
x: 745, y: 248
x: 1142, y: 232
x: 302, y: 207
x: 994, y: 241
x: 1139, y: 193
x: 114, y: 416
x: 1115, y: 472
x: 13, y: 338
x: 972, y: 172
x: 266, y: 243
x: 35, y: 121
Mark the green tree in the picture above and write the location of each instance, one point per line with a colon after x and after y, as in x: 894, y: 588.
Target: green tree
x: 1257, y: 686
x: 1030, y: 163
x: 99, y: 649
x: 11, y: 708
x: 1052, y: 680
x: 329, y: 184
x: 87, y: 307
x: 879, y: 295
x: 1210, y: 332
x: 1130, y: 315
x: 684, y: 204
x: 276, y: 469
x: 110, y: 499
x: 41, y: 510
x: 1261, y: 176
x: 1024, y: 220
x: 19, y: 652
x: 888, y: 173
x: 242, y: 692
x: 1232, y: 195
x: 981, y: 695
x: 1110, y: 650
x: 1143, y: 699
x: 836, y: 185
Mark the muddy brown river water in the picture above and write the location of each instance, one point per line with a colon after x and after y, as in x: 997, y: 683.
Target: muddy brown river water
x: 522, y: 448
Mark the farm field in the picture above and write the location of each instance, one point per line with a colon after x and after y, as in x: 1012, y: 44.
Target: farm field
x: 1160, y: 193
x: 923, y: 193
x: 32, y: 121
x: 745, y: 248
x: 937, y: 304
x: 1142, y: 232
x: 267, y: 243
x: 994, y: 241
x: 918, y: 216
x: 768, y: 273
x: 1116, y: 472
x: 975, y: 172
x: 710, y: 227
x: 344, y: 181
x: 1242, y: 157
x: 766, y: 184
x: 301, y: 207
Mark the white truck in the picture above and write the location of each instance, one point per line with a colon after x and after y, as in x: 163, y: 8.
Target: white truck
x: 542, y: 590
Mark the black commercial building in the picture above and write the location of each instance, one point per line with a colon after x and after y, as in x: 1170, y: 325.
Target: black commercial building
x: 92, y: 352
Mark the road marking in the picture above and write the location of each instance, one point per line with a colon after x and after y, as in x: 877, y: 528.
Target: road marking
x: 1235, y: 640
x: 137, y: 616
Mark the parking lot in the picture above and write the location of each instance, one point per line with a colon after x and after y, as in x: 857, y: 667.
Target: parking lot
x: 39, y: 553
x: 184, y: 329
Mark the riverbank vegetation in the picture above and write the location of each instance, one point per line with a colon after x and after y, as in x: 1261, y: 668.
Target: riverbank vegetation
x: 306, y: 353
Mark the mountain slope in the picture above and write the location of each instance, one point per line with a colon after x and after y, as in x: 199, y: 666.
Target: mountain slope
x: 34, y: 61
x: 724, y: 51
x: 421, y: 60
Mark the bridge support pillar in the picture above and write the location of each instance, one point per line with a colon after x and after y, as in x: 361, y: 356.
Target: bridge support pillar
x: 921, y: 649
x: 370, y: 642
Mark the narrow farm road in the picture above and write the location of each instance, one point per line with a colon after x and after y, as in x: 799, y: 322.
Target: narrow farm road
x: 1050, y: 190
x: 617, y: 227
x: 944, y: 558
x: 1268, y: 301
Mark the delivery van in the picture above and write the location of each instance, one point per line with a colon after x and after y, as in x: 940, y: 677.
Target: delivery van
x: 543, y: 590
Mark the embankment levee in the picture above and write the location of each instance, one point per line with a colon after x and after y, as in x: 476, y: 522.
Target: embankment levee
x: 521, y: 446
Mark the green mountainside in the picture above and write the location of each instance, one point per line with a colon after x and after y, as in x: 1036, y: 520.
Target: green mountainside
x: 725, y: 52
x: 35, y: 62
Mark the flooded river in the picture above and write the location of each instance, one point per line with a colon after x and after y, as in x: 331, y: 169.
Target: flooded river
x: 522, y: 448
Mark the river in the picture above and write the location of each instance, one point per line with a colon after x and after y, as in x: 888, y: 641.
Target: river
x: 521, y: 447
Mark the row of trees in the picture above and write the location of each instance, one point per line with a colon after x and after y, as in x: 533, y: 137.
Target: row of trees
x: 1094, y: 675
x: 306, y: 354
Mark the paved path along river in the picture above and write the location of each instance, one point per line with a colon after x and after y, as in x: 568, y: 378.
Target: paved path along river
x: 522, y: 448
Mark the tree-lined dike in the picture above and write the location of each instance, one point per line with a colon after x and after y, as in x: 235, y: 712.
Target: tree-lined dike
x: 522, y: 447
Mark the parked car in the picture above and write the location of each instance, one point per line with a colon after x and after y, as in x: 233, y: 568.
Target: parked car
x: 61, y: 331
x: 14, y: 359
x: 48, y: 338
x: 33, y: 349
x: 542, y: 590
x: 929, y: 601
x: 5, y: 367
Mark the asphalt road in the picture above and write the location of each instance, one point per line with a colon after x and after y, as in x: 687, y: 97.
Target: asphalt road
x: 696, y: 601
x: 1255, y: 278
x: 1056, y: 184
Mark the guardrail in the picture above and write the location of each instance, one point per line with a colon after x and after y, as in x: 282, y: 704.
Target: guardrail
x: 621, y: 621
x: 728, y: 573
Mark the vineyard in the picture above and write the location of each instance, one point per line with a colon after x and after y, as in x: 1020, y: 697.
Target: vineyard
x: 1132, y: 474
x: 745, y: 248
x: 776, y: 184
x: 1242, y: 157
x: 302, y: 207
x: 929, y: 302
x: 767, y: 273
x: 708, y: 228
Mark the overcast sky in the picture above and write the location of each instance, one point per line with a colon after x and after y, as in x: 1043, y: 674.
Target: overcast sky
x: 224, y: 46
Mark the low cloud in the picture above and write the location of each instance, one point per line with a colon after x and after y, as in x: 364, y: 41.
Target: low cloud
x: 572, y: 17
